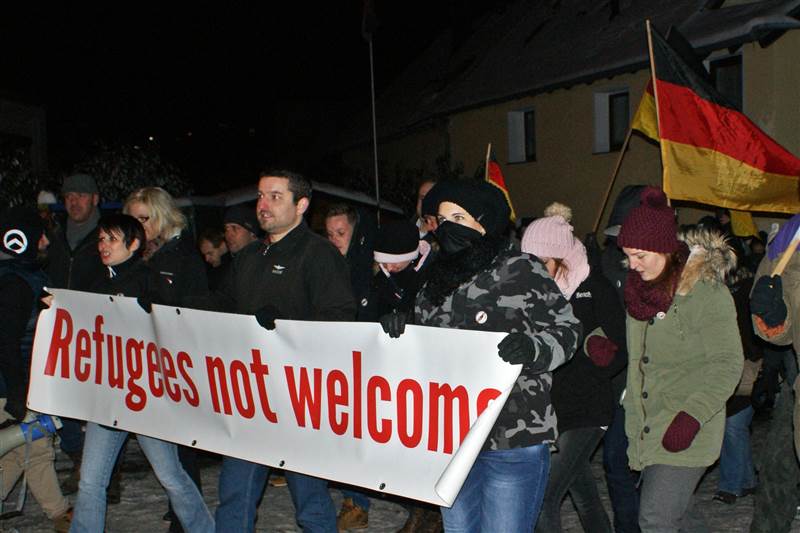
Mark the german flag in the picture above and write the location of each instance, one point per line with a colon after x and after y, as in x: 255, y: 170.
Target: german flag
x: 711, y: 152
x: 495, y: 176
x: 645, y: 119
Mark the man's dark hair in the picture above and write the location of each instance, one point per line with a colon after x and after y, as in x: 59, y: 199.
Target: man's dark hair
x: 213, y: 235
x: 130, y: 229
x: 299, y: 185
x: 342, y: 209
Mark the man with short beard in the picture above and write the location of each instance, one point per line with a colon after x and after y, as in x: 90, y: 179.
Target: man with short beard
x: 296, y: 275
x: 73, y: 263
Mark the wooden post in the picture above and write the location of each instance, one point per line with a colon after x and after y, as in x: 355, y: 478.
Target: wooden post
x: 612, y: 180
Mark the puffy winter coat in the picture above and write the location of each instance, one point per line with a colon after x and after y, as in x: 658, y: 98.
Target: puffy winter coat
x: 688, y: 360
x: 515, y: 294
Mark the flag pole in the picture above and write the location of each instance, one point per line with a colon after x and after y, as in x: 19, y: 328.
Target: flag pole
x: 655, y: 97
x: 374, y: 133
x: 612, y: 180
x: 787, y: 254
x: 486, y: 166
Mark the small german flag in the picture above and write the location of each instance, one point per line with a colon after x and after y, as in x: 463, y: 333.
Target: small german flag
x: 711, y: 152
x: 495, y: 176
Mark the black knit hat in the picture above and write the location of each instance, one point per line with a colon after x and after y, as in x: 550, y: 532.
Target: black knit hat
x: 430, y: 204
x: 244, y: 216
x: 485, y: 202
x: 397, y: 242
x: 20, y: 231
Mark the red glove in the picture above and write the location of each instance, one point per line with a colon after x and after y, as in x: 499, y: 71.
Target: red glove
x: 600, y: 350
x: 680, y: 433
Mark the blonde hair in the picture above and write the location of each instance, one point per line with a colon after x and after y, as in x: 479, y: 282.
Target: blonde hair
x: 167, y: 218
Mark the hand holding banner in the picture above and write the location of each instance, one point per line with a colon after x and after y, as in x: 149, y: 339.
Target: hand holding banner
x: 338, y: 400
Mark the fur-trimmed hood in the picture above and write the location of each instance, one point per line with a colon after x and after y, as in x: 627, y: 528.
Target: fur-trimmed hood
x: 710, y: 259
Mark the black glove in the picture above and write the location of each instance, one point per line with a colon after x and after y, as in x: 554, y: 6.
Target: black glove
x: 766, y: 300
x: 267, y: 315
x: 517, y: 348
x: 393, y: 323
x: 145, y: 303
x: 15, y: 406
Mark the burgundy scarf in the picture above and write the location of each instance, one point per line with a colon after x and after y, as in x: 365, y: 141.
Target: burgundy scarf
x: 644, y: 300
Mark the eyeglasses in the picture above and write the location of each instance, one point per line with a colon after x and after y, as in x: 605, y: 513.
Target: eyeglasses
x: 142, y: 219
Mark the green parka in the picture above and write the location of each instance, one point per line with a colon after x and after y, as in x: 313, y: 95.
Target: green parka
x: 690, y: 360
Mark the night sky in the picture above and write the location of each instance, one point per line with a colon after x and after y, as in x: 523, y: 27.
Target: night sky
x: 222, y: 89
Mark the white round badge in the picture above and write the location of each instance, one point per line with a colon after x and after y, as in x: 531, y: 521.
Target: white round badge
x: 661, y: 315
x: 481, y: 317
x: 15, y: 241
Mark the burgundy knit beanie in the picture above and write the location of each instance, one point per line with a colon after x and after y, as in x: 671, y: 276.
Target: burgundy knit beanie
x: 651, y: 226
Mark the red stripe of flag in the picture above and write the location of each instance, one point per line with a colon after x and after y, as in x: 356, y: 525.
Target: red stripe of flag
x: 719, y: 128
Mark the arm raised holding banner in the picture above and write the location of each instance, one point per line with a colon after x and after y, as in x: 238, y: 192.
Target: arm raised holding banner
x: 480, y: 283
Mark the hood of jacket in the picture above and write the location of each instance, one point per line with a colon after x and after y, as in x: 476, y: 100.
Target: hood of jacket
x: 710, y: 259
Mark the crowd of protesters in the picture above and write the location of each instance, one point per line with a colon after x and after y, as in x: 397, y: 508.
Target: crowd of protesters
x: 649, y: 346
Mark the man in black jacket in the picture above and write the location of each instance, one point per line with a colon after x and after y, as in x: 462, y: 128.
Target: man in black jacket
x: 296, y: 275
x: 73, y: 263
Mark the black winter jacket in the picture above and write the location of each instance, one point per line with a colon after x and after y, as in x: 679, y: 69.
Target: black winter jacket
x: 302, y: 275
x: 131, y: 278
x: 178, y: 272
x: 582, y: 392
x: 74, y: 269
x: 18, y: 310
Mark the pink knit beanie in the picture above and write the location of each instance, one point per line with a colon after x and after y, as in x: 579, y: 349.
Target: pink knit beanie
x: 551, y: 237
x: 651, y: 226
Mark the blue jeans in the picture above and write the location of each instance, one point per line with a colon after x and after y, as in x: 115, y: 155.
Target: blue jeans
x: 359, y: 498
x: 100, y: 452
x: 503, y: 492
x: 241, y: 484
x: 620, y: 479
x: 736, y: 472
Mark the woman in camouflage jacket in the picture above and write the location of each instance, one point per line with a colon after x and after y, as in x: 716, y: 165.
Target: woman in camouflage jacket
x: 481, y: 283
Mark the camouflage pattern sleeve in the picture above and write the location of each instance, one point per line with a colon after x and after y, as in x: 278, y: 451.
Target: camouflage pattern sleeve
x: 550, y: 322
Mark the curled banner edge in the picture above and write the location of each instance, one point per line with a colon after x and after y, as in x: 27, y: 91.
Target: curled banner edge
x: 455, y: 473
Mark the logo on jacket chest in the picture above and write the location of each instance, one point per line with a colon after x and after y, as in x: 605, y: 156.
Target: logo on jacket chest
x: 278, y: 269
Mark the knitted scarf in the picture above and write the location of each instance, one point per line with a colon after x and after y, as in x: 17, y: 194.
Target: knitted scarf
x: 449, y: 271
x: 644, y: 300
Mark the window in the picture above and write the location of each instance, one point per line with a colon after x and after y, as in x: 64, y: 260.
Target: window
x: 726, y: 75
x: 618, y: 118
x: 611, y: 119
x: 522, y: 136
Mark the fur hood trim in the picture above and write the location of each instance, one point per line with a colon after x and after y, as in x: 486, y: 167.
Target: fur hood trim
x: 710, y: 259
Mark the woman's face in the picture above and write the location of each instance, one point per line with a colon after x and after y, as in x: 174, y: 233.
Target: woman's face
x: 141, y: 212
x: 339, y: 232
x: 455, y: 213
x: 111, y: 246
x: 550, y: 265
x: 649, y: 265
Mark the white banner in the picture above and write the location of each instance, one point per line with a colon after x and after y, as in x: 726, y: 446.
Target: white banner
x: 338, y: 400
